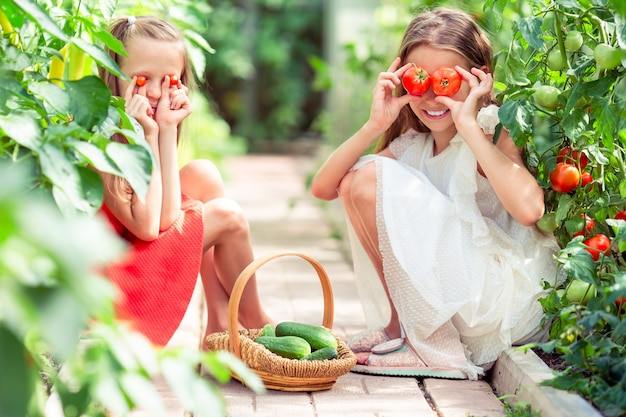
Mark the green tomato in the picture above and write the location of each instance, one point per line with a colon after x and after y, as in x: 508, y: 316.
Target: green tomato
x: 606, y: 56
x: 573, y: 41
x: 555, y: 60
x: 580, y: 292
x: 547, y: 223
x: 547, y: 96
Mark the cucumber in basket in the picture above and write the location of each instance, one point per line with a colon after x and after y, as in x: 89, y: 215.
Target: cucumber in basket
x: 291, y: 347
x: 268, y: 330
x: 317, y: 336
x: 322, y: 354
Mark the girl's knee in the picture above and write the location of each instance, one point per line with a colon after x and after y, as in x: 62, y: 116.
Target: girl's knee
x: 359, y: 187
x: 227, y: 214
x: 201, y: 180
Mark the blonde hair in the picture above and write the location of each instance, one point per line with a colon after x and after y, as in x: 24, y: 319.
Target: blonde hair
x: 443, y: 28
x: 147, y: 27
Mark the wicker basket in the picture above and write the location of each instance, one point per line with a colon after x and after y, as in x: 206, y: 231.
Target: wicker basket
x: 276, y: 372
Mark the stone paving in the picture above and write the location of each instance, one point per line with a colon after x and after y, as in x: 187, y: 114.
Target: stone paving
x: 284, y: 217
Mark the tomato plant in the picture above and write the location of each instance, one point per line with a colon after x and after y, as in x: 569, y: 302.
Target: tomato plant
x: 416, y: 80
x: 576, y: 116
x: 564, y: 178
x: 446, y: 81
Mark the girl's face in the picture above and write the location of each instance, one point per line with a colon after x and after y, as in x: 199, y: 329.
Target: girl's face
x: 434, y: 115
x: 153, y: 59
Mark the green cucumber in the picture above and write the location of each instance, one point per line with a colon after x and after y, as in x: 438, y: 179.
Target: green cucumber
x: 291, y: 347
x: 317, y: 336
x: 322, y: 354
x: 268, y: 330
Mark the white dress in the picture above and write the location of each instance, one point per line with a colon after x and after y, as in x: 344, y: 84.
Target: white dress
x: 457, y: 265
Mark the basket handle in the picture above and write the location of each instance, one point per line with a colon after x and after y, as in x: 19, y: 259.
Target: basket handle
x: 248, y: 272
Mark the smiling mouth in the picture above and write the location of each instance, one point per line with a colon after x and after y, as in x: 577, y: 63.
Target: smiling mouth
x: 436, y: 114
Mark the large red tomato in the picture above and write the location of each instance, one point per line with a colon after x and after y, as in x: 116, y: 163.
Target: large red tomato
x: 416, y: 80
x: 446, y: 81
x: 564, y: 178
x: 598, y: 244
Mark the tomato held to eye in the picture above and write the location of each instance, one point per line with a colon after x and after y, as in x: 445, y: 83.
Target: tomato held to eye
x: 173, y: 80
x: 416, y: 80
x: 564, y: 178
x: 141, y: 80
x: 446, y: 81
x: 598, y: 244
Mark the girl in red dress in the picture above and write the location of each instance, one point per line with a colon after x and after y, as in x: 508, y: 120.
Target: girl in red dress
x: 184, y: 225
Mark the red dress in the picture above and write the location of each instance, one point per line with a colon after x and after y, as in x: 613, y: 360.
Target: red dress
x: 156, y: 279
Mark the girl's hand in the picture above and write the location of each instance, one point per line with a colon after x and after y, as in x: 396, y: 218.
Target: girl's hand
x: 138, y: 106
x: 174, y: 105
x: 481, y: 86
x: 385, y: 106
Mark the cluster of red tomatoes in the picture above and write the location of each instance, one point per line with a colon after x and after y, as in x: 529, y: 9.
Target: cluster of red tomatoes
x: 570, y: 171
x: 569, y: 174
x: 141, y: 80
x: 444, y: 81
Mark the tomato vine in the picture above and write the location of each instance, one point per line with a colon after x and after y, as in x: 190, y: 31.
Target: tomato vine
x: 564, y: 101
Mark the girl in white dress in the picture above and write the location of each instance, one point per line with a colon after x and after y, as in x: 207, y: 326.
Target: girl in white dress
x: 448, y: 262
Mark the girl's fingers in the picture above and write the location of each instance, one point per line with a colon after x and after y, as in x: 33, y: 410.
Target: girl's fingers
x: 128, y: 94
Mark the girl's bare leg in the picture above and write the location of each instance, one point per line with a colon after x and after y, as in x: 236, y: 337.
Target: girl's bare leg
x: 358, y: 194
x: 227, y: 246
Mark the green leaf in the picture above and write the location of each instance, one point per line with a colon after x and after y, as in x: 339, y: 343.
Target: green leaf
x: 135, y: 162
x: 15, y: 392
x: 194, y: 392
x: 89, y: 100
x: 577, y: 262
x: 22, y: 128
x: 67, y: 181
x: 57, y: 98
x: 99, y: 56
x: 575, y: 123
x: 143, y: 393
x: 531, y: 31
x: 41, y: 18
x: 516, y: 116
x: 96, y: 156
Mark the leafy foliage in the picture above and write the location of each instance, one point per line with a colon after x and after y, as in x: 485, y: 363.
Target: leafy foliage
x: 262, y: 74
x: 57, y: 326
x: 563, y: 44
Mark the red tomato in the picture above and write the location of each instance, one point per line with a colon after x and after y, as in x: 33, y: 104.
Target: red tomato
x: 141, y: 80
x: 619, y: 301
x: 564, y: 178
x: 621, y: 215
x: 588, y: 226
x: 598, y: 244
x: 446, y: 81
x: 416, y: 80
x: 586, y: 179
x: 173, y: 80
x: 569, y: 157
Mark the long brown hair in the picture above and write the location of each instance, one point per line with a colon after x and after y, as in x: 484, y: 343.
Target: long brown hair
x: 444, y: 28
